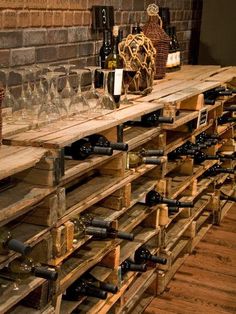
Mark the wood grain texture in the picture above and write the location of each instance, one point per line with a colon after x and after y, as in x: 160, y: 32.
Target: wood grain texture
x: 206, y: 282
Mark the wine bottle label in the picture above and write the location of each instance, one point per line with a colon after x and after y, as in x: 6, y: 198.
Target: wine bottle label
x: 143, y: 200
x: 175, y: 59
x: 178, y: 57
x: 118, y: 81
x: 169, y: 63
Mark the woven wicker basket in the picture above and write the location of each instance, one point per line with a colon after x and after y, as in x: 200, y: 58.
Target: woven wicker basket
x: 153, y: 30
x: 1, y: 98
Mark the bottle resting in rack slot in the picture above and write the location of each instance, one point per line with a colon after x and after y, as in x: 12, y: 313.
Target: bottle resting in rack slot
x: 83, y: 148
x: 227, y: 156
x: 25, y: 267
x: 115, y: 62
x: 94, y: 282
x: 216, y: 169
x: 225, y: 197
x: 211, y: 96
x: 100, y: 140
x: 135, y: 159
x: 199, y: 157
x: 151, y: 119
x: 7, y: 243
x: 130, y: 266
x: 82, y: 288
x: 142, y: 255
x: 231, y: 108
x: 98, y: 228
x: 153, y: 198
x: 225, y: 119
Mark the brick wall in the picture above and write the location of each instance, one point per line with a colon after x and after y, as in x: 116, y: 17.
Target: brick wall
x: 58, y: 30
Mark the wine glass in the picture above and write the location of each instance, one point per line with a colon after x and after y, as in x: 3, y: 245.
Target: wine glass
x: 67, y: 92
x: 105, y: 102
x: 79, y: 104
x: 56, y: 97
x: 92, y: 95
x: 48, y: 111
x: 23, y: 111
x: 128, y: 76
x: 9, y: 100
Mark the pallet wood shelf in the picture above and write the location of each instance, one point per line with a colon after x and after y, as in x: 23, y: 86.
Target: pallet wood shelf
x: 16, y: 159
x: 103, y: 187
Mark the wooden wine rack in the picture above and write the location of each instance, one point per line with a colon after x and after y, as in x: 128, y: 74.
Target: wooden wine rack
x: 47, y: 191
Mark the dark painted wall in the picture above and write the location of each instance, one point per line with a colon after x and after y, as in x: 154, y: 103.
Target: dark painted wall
x: 218, y: 33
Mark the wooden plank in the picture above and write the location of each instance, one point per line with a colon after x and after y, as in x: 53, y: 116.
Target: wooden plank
x: 25, y: 287
x: 18, y: 200
x: 16, y: 159
x: 60, y: 137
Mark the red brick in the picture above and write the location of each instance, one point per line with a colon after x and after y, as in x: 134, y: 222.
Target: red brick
x: 5, y: 57
x: 23, y: 19
x: 9, y: 19
x: 87, y: 18
x: 47, y: 18
x: 58, y: 4
x: 68, y: 18
x: 77, y: 5
x: 78, y: 18
x: 36, y: 18
x: 13, y: 4
x: 57, y: 18
x: 36, y: 4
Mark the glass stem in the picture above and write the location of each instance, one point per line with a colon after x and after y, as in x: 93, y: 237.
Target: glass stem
x: 93, y: 80
x: 105, y: 83
x: 79, y: 92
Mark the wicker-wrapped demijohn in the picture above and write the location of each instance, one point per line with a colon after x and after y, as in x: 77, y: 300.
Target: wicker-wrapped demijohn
x: 139, y: 53
x: 153, y: 30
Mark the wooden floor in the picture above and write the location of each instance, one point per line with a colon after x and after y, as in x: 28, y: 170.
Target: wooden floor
x: 206, y: 282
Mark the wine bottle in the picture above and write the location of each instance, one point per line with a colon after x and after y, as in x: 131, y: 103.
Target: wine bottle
x: 209, y: 138
x: 225, y: 119
x: 83, y: 148
x: 154, y: 198
x: 177, y: 49
x: 214, y: 170
x: 151, y: 119
x: 151, y: 152
x: 7, y: 243
x: 200, y: 157
x: 104, y: 52
x: 94, y: 282
x: 115, y: 62
x: 129, y: 266
x: 81, y: 288
x: 136, y: 29
x: 142, y: 254
x: 171, y: 59
x: 103, y: 233
x: 225, y: 197
x: 172, y: 210
x: 211, y: 95
x: 25, y: 267
x: 227, y: 157
x: 181, y: 151
x: 231, y: 108
x: 136, y: 159
x: 89, y: 220
x: 100, y: 140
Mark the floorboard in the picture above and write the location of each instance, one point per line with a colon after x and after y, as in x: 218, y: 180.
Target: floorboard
x: 206, y: 282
